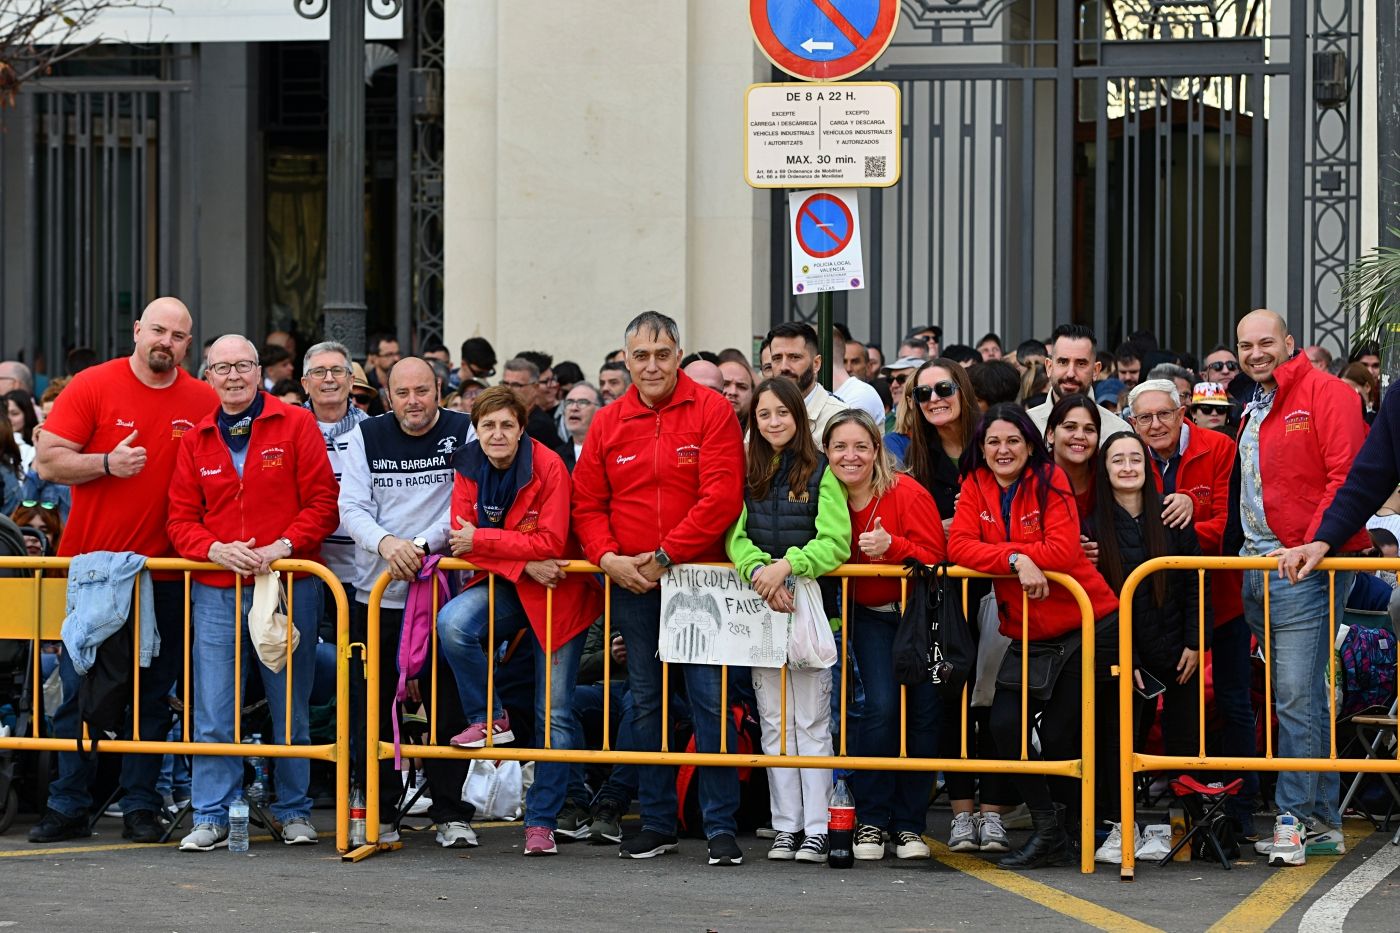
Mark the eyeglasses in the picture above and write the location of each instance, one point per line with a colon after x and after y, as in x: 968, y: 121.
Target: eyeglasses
x: 1223, y: 366
x: 223, y: 369
x: 481, y: 372
x: 578, y: 403
x: 335, y: 372
x: 899, y: 379
x: 1209, y: 410
x: 943, y: 388
x: 31, y: 503
x: 551, y: 381
x: 1165, y: 417
x: 363, y: 399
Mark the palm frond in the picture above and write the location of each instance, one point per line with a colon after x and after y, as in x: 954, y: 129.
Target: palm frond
x: 1371, y: 285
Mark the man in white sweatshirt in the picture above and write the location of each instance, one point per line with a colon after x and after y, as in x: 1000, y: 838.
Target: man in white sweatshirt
x: 395, y: 500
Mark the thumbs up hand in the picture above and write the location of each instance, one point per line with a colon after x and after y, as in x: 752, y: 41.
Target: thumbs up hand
x: 875, y: 542
x: 126, y: 460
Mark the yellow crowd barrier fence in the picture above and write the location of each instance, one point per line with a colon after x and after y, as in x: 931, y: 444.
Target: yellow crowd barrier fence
x: 1081, y: 768
x: 34, y: 608
x: 1135, y: 762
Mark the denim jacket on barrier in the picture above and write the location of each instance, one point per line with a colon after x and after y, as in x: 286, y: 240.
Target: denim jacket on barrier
x: 99, y: 601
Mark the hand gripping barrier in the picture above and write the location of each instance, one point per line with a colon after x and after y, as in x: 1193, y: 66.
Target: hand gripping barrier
x: 35, y: 609
x: 1081, y: 768
x: 1134, y: 762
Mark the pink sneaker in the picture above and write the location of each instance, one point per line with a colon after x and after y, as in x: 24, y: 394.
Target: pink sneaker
x: 475, y: 734
x: 539, y: 840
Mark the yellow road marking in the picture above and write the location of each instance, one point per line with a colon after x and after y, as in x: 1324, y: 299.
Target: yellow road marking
x: 1095, y: 915
x: 1262, y: 909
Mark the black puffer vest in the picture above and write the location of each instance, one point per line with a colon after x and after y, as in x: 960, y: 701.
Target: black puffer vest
x: 787, y: 519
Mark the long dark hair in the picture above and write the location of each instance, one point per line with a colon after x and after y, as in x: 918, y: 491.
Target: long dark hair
x: 922, y: 435
x: 1154, y: 532
x: 802, y: 451
x: 26, y: 405
x: 1058, y: 414
x: 9, y: 450
x: 1039, y: 463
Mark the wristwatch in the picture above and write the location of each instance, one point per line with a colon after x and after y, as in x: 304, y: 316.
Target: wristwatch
x: 287, y: 543
x: 1015, y: 555
x: 421, y: 543
x: 662, y: 558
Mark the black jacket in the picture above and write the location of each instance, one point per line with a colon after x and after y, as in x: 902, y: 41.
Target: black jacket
x: 1161, y: 632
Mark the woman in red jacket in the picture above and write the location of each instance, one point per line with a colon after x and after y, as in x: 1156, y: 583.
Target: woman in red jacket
x: 510, y: 516
x: 1017, y: 515
x: 892, y: 517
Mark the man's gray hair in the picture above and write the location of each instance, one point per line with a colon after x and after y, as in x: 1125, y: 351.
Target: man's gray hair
x: 325, y: 346
x: 655, y: 323
x: 1171, y: 371
x: 13, y: 369
x: 1155, y: 385
x: 597, y: 396
x: 519, y: 364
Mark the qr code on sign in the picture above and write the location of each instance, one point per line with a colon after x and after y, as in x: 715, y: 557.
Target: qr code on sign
x: 874, y: 166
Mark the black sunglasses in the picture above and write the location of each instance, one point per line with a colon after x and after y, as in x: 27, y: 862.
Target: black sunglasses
x: 943, y: 388
x: 900, y: 378
x: 1227, y: 366
x: 31, y: 503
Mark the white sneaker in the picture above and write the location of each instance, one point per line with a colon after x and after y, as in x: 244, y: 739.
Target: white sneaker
x: 412, y: 782
x: 1156, y: 842
x: 388, y: 835
x: 870, y: 843
x: 1111, y: 852
x: 1018, y: 817
x: 1286, y: 847
x: 456, y: 835
x: 909, y: 845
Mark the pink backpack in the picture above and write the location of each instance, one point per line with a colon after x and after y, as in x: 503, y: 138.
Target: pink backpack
x: 416, y: 634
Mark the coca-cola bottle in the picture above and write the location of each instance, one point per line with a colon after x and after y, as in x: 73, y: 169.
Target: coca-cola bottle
x: 841, y: 827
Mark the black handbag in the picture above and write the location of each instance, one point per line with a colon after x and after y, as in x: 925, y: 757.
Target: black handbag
x: 1045, y: 661
x: 933, y: 643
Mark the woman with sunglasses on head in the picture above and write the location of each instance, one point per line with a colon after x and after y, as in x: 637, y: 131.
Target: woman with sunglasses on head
x: 892, y: 518
x: 794, y: 524
x: 1017, y: 515
x: 1129, y: 528
x: 43, y: 516
x: 939, y: 423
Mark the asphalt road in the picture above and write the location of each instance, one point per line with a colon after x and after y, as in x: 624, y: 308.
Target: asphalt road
x: 105, y: 884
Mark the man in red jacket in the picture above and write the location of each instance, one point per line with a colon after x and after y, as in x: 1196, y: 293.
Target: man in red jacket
x: 659, y: 482
x: 252, y: 484
x: 1197, y: 462
x: 1301, y: 431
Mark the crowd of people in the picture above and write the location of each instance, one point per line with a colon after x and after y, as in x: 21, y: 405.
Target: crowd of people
x: 1052, y: 457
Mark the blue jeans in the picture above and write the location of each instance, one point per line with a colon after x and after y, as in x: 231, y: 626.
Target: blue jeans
x: 1299, y: 651
x: 462, y: 629
x: 893, y: 800
x: 71, y: 794
x: 621, y: 786
x: 638, y: 619
x: 1230, y: 665
x: 219, y: 779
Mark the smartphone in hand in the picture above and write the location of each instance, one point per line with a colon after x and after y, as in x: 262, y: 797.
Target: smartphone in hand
x: 1151, y: 687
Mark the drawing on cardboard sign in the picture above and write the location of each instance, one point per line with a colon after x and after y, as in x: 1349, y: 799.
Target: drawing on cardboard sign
x: 710, y: 616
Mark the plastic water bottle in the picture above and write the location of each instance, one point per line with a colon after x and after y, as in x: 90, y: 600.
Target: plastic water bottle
x: 257, y: 791
x: 357, y: 817
x: 238, y: 825
x: 841, y: 827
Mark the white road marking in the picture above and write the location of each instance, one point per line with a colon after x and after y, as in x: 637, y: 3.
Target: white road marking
x: 1329, y: 912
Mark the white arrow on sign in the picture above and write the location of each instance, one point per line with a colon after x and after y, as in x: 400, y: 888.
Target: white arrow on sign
x: 812, y: 45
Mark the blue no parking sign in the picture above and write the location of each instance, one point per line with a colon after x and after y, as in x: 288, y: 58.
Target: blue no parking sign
x: 826, y: 254
x: 823, y: 40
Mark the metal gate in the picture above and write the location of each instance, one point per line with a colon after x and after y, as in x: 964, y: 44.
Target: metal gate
x: 1127, y: 164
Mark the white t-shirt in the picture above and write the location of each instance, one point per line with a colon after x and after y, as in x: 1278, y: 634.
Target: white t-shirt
x: 859, y: 394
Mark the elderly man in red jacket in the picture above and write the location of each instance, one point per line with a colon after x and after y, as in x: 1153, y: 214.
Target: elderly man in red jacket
x: 1301, y: 431
x: 252, y: 484
x: 1191, y: 460
x: 659, y: 481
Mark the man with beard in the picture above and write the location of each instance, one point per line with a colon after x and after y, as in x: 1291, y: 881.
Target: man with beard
x: 794, y: 351
x: 738, y: 387
x: 113, y: 436
x: 1071, y: 366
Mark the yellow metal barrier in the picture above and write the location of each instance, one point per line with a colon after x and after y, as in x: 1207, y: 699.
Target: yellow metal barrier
x: 1081, y: 768
x: 1134, y: 762
x: 45, y: 599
